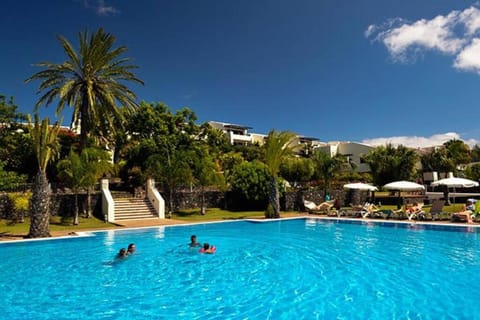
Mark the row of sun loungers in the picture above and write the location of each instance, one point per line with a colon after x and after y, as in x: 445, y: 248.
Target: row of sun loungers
x: 371, y: 211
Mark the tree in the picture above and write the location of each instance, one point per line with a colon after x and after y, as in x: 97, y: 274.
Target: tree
x: 83, y: 171
x: 458, y: 152
x: 328, y: 167
x: 16, y: 152
x: 475, y: 153
x: 250, y: 183
x: 171, y: 172
x: 206, y: 173
x: 9, y: 180
x: 45, y: 146
x: 90, y: 81
x: 72, y: 171
x: 437, y: 160
x: 297, y: 171
x: 279, y: 145
x: 155, y: 130
x: 388, y: 163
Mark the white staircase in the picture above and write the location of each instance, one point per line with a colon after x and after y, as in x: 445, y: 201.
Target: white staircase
x: 134, y: 209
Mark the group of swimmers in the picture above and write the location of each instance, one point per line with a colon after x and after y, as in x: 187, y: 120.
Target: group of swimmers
x: 125, y: 252
x: 205, y: 248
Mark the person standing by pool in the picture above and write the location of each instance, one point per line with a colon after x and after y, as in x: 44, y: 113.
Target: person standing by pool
x: 131, y: 248
x: 193, y: 242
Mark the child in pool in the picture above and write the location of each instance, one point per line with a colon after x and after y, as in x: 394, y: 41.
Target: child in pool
x: 207, y: 248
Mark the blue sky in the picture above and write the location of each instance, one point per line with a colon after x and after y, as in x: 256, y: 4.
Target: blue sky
x: 368, y: 71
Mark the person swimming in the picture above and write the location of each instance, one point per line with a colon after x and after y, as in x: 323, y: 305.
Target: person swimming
x: 193, y: 242
x: 131, y: 248
x: 122, y: 254
x: 207, y: 248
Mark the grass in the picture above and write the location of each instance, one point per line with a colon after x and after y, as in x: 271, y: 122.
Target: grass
x: 56, y: 224
x: 193, y: 215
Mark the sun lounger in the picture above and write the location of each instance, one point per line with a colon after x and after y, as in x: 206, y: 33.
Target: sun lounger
x: 371, y: 211
x: 415, y: 212
x: 436, y: 209
x: 322, y: 208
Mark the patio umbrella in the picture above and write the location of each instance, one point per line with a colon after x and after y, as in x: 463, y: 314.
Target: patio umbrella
x: 403, y: 186
x: 360, y: 186
x: 454, y: 182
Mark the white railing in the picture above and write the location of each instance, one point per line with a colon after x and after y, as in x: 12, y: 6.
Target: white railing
x: 108, y: 206
x: 156, y: 199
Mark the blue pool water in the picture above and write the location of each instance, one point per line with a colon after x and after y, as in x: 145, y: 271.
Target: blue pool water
x: 289, y: 269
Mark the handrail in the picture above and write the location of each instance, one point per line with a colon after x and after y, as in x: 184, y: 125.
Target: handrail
x: 156, y: 199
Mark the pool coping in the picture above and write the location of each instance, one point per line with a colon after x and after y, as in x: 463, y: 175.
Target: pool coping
x: 90, y: 233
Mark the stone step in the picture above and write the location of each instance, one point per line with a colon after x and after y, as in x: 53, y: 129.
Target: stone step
x: 134, y: 209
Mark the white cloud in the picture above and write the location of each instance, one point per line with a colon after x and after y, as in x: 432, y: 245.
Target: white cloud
x: 469, y: 57
x: 100, y: 7
x: 419, y: 142
x: 471, y: 19
x: 429, y: 34
x: 453, y: 34
x: 104, y: 10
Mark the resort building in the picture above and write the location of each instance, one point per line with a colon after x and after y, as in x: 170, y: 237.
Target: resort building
x: 240, y: 135
x: 237, y: 134
x: 352, y: 150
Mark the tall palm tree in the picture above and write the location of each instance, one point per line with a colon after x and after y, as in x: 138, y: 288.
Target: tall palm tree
x: 90, y: 81
x: 46, y: 148
x: 279, y: 145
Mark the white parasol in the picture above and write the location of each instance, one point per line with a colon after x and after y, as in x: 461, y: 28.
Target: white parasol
x: 454, y: 182
x: 404, y: 186
x: 360, y: 186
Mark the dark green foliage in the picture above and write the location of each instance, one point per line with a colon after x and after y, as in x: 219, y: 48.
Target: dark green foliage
x: 327, y: 168
x: 473, y: 172
x: 10, y: 180
x: 250, y: 182
x: 388, y: 164
x: 297, y: 171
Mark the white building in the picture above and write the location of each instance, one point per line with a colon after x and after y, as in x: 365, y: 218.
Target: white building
x: 352, y: 150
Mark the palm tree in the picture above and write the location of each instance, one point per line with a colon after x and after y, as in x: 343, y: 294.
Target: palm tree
x: 83, y: 171
x: 90, y: 81
x: 46, y: 148
x: 71, y: 171
x: 389, y: 163
x: 279, y: 145
x: 328, y: 167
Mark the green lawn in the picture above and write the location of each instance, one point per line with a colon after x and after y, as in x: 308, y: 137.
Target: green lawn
x: 194, y: 215
x: 56, y: 224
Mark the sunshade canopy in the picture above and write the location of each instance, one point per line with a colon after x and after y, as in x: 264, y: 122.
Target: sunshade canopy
x: 454, y: 182
x: 404, y: 186
x: 360, y: 186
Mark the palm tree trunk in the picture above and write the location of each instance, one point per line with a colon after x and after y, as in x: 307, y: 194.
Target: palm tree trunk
x: 75, y: 209
x: 89, y: 203
x: 170, y: 202
x: 40, y: 207
x: 202, y: 204
x: 274, y: 198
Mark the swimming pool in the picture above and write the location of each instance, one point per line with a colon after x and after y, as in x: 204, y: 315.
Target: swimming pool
x: 288, y: 269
